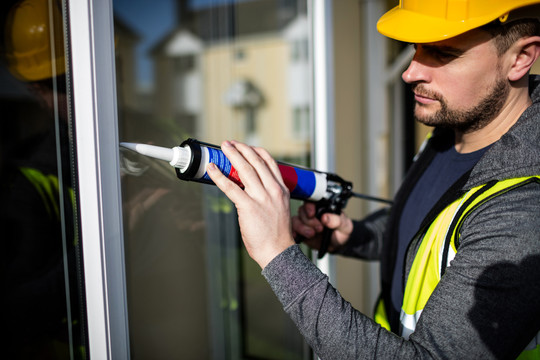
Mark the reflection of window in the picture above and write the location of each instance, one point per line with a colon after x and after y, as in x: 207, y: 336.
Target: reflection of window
x: 184, y: 63
x: 300, y: 122
x: 299, y: 50
x: 240, y: 54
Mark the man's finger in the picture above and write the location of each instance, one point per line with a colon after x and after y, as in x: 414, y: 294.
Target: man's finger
x: 272, y: 165
x: 331, y: 221
x: 242, y: 159
x: 262, y: 167
x: 229, y: 188
x: 301, y: 228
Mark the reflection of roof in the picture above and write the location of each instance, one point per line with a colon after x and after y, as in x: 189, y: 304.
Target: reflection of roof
x: 298, y: 28
x: 177, y: 43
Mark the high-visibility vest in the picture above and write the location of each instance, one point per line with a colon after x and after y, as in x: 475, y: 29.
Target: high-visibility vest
x: 438, y: 248
x: 47, y: 186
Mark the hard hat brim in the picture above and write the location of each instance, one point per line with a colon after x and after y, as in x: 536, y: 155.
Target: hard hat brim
x: 408, y: 26
x: 415, y: 27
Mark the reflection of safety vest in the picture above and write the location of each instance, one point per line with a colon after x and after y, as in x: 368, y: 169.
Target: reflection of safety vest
x: 47, y: 188
x: 440, y: 241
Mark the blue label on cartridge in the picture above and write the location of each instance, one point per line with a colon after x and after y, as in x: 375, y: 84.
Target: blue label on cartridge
x: 305, y: 185
x: 216, y: 156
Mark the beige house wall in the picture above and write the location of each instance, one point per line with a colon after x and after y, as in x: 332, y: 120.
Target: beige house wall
x: 264, y: 62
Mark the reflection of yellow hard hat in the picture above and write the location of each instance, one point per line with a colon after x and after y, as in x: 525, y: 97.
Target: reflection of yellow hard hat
x: 28, y: 40
x: 421, y: 21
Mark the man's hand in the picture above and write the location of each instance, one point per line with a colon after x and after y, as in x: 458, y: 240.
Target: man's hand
x: 307, y: 225
x: 263, y: 205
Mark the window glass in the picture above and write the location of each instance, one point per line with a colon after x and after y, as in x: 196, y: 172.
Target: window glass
x: 42, y: 302
x: 211, y: 70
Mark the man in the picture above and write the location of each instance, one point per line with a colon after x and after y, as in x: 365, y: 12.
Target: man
x: 460, y: 248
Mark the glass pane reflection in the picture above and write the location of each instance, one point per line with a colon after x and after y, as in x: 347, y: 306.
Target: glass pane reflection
x: 212, y: 70
x: 42, y: 302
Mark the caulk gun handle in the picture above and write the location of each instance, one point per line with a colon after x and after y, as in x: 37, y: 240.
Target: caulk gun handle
x: 326, y: 234
x: 325, y: 242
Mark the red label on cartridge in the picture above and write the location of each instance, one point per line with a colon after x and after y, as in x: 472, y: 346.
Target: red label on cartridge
x: 233, y: 175
x: 290, y: 178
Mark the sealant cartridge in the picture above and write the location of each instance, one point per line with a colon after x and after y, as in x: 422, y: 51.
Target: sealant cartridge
x: 192, y: 156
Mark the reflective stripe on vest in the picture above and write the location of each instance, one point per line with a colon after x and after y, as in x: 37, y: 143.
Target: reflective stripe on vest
x: 47, y: 188
x: 439, y: 245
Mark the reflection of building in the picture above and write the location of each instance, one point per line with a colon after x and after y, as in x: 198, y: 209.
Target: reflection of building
x: 178, y: 92
x: 254, y: 90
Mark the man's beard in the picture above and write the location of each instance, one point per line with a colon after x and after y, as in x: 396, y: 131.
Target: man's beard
x: 465, y: 121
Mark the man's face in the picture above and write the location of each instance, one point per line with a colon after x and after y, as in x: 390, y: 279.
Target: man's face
x: 457, y: 83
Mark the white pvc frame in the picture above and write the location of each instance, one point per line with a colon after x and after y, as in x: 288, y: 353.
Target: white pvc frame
x: 94, y: 104
x: 322, y: 52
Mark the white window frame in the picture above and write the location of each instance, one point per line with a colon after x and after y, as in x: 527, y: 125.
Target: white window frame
x: 323, y: 137
x: 99, y: 193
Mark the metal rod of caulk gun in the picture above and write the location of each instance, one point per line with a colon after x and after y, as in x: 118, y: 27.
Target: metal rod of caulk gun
x: 372, y: 198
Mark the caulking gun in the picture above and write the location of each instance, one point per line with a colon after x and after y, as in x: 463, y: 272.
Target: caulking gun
x: 329, y: 192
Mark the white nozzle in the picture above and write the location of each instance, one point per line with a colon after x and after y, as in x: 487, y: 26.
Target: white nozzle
x: 177, y: 156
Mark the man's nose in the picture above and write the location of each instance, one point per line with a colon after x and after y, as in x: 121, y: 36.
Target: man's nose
x: 417, y: 72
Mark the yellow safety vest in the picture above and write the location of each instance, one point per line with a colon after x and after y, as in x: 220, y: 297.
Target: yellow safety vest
x: 48, y: 189
x: 438, y: 247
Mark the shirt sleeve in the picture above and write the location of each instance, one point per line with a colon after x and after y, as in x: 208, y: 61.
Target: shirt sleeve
x: 329, y: 324
x: 485, y: 306
x: 366, y: 238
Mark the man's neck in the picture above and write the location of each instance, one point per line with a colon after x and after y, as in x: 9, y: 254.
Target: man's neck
x: 518, y: 101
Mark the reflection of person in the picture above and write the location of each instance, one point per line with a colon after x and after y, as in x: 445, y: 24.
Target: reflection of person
x: 36, y: 213
x: 465, y: 294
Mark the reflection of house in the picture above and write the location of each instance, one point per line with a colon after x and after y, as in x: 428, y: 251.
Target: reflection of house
x: 254, y: 90
x: 298, y: 75
x: 178, y: 76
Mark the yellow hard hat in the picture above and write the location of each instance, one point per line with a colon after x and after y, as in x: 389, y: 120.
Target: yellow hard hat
x: 28, y: 40
x: 423, y: 21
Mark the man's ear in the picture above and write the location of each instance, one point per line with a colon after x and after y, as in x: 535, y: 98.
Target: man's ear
x: 526, y: 51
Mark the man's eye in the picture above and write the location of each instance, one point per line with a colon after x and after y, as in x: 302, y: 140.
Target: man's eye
x: 444, y: 56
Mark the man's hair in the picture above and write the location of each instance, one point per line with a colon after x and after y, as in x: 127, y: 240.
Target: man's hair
x: 506, y: 34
